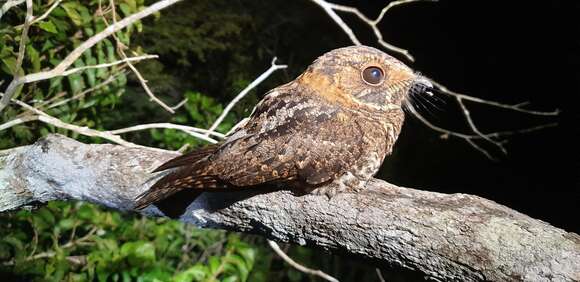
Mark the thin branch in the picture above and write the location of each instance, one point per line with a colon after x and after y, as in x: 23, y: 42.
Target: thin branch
x: 69, y: 244
x: 298, y: 266
x: 338, y: 20
x: 107, y: 81
x: 43, y: 16
x: 520, y: 131
x: 18, y: 121
x: 77, y: 52
x: 479, y: 148
x: 469, y: 138
x: 330, y: 9
x: 125, y: 60
x: 244, y: 92
x: 516, y: 107
x: 23, y: 39
x: 180, y: 104
x: 44, y: 117
x: 474, y: 128
x: 120, y: 49
x: 193, y: 131
x: 380, y: 275
x: 143, y: 82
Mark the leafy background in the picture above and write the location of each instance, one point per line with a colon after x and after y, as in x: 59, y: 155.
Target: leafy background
x: 219, y: 47
x: 216, y: 54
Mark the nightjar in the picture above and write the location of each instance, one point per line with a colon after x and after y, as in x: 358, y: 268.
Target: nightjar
x: 327, y: 131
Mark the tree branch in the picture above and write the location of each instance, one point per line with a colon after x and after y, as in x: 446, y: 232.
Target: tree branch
x: 331, y: 8
x: 298, y: 266
x: 445, y: 237
x: 78, y: 51
x: 274, y: 67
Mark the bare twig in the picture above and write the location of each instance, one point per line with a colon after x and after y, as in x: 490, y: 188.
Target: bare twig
x: 121, y: 50
x: 469, y: 138
x: 77, y: 52
x: 330, y: 9
x: 298, y: 266
x: 474, y: 128
x: 23, y: 39
x: 180, y: 104
x: 44, y: 117
x: 380, y: 275
x: 108, y: 135
x: 143, y: 82
x: 244, y: 92
x: 17, y: 121
x: 107, y: 81
x: 125, y: 60
x: 69, y: 244
x: 193, y: 131
x: 43, y: 16
x: 516, y: 107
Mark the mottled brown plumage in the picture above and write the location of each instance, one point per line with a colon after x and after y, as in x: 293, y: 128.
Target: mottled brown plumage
x: 327, y: 131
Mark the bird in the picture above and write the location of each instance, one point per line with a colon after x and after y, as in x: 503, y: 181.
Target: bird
x: 326, y: 132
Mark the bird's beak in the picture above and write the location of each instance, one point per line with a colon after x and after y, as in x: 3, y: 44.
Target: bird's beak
x: 422, y: 85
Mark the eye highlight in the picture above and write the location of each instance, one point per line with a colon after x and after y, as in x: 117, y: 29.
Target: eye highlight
x: 373, y: 75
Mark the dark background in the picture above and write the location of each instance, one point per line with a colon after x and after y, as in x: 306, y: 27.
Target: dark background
x: 505, y: 51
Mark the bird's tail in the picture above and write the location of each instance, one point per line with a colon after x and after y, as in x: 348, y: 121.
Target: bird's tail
x: 191, y: 171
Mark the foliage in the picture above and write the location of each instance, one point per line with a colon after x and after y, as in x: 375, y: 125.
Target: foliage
x: 89, y: 93
x: 78, y: 241
x: 226, y: 44
x: 201, y: 111
x: 81, y: 242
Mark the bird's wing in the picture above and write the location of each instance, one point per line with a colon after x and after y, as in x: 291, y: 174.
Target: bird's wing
x: 288, y: 138
x: 293, y: 138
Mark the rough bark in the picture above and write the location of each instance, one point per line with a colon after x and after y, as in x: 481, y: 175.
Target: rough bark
x: 442, y: 236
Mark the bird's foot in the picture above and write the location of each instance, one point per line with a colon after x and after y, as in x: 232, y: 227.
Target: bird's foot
x: 348, y: 183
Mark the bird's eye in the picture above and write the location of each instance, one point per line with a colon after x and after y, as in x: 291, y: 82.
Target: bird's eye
x: 373, y: 75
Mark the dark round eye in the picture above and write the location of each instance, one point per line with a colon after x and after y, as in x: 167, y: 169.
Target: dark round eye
x: 373, y: 75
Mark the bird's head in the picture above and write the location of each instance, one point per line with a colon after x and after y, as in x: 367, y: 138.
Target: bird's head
x: 358, y: 76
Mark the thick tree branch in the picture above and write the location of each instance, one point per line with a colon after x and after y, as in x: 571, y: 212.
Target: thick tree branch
x: 446, y: 237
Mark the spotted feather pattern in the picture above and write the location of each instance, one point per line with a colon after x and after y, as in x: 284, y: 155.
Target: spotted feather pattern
x: 327, y: 126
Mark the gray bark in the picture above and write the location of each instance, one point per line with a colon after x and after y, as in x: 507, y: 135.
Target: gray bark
x: 442, y: 236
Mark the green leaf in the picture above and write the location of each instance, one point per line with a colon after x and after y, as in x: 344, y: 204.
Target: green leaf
x: 34, y: 58
x: 8, y: 65
x: 145, y: 251
x: 75, y: 82
x: 125, y: 9
x: 231, y: 279
x: 46, y: 215
x: 196, y: 273
x: 48, y: 26
x: 67, y: 223
x: 14, y: 242
x: 86, y: 212
x: 242, y: 267
x: 214, y: 264
x: 138, y: 253
x: 72, y: 13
